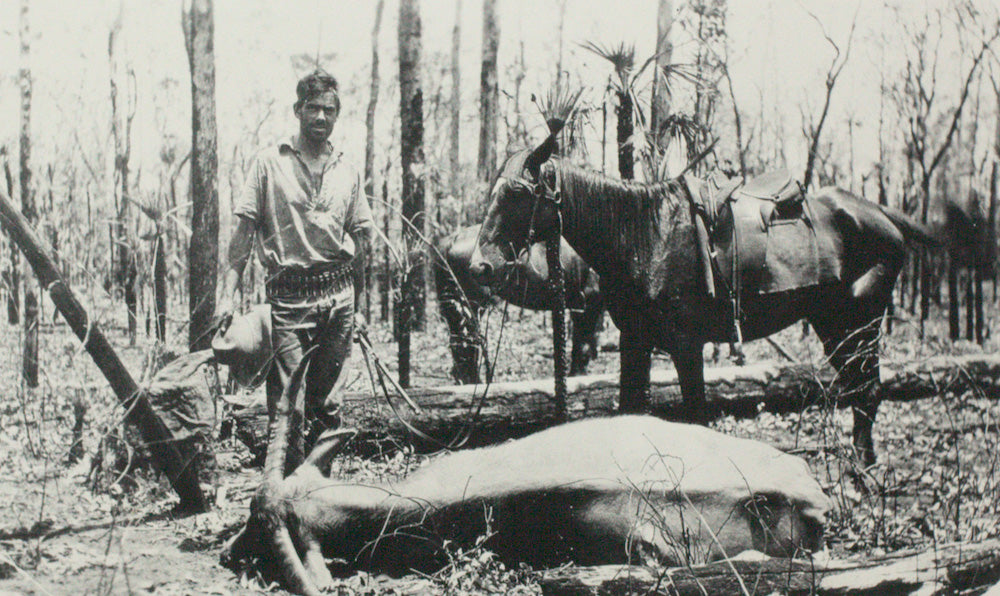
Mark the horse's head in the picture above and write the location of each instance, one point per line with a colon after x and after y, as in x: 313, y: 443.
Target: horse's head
x: 522, y: 209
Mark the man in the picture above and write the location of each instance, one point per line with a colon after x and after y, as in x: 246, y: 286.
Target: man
x: 307, y: 209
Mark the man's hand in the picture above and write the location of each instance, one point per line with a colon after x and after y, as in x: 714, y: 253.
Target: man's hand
x: 224, y: 310
x: 360, y: 323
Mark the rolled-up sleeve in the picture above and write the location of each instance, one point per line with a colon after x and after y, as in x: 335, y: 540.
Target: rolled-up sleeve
x: 249, y: 203
x: 359, y: 214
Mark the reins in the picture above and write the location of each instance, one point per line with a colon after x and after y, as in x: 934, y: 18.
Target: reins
x: 375, y: 368
x: 557, y: 281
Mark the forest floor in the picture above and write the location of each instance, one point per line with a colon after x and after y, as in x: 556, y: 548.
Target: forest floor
x: 80, y: 529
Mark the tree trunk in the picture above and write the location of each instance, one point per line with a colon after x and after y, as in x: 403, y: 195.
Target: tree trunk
x: 411, y: 112
x: 11, y: 275
x: 626, y: 155
x: 203, y: 251
x: 160, y: 284
x: 923, y: 256
x: 977, y: 302
x: 970, y: 302
x: 953, y: 299
x: 456, y: 108
x: 660, y: 103
x: 489, y: 92
x: 181, y: 474
x: 956, y: 568
x: 370, y: 144
x: 29, y: 363
x: 514, y: 409
x: 385, y: 285
x: 124, y: 268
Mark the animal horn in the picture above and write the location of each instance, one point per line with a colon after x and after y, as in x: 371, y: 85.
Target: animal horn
x: 327, y: 445
x: 284, y: 427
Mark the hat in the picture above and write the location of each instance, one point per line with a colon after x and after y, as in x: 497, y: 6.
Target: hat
x: 246, y: 346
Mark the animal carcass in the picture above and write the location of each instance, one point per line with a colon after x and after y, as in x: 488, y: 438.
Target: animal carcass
x: 629, y: 489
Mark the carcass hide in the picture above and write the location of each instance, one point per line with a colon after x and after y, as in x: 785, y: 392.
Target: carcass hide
x: 629, y: 489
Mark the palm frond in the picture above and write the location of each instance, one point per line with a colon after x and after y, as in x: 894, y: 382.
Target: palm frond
x: 621, y: 56
x: 559, y: 105
x: 684, y: 126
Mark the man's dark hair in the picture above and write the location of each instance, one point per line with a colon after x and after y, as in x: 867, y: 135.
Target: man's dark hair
x: 317, y: 82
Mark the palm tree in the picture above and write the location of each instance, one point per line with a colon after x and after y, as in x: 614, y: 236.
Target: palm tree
x: 632, y: 122
x: 622, y: 58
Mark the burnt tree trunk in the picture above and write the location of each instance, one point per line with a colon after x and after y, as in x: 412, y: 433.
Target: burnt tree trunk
x: 412, y: 161
x: 160, y: 283
x: 11, y: 275
x: 489, y: 92
x: 455, y: 123
x: 29, y: 362
x: 203, y: 251
x: 370, y: 147
x: 124, y: 270
x: 182, y: 475
x: 385, y: 285
x: 660, y: 103
x: 626, y: 154
x: 953, y: 298
x: 991, y: 220
x: 970, y: 302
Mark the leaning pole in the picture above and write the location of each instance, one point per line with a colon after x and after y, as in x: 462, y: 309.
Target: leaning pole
x: 159, y: 440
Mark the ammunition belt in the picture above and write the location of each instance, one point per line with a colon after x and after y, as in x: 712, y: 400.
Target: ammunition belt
x: 309, y: 283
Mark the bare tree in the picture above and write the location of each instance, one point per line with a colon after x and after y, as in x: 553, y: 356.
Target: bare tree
x: 919, y: 102
x: 994, y: 180
x: 660, y: 103
x: 122, y: 82
x: 411, y: 111
x: 11, y: 275
x: 489, y: 92
x: 203, y: 251
x: 456, y: 102
x: 370, y: 136
x: 814, y: 130
x: 30, y: 355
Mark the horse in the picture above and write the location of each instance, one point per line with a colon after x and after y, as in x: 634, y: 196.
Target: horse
x: 462, y: 300
x: 642, y: 240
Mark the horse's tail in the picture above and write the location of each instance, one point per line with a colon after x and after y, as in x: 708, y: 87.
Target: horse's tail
x: 913, y: 231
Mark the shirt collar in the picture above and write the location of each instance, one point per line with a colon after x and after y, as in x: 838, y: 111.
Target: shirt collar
x: 290, y: 144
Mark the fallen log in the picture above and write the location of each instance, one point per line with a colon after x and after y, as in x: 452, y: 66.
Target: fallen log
x: 157, y: 437
x: 515, y: 409
x: 946, y: 569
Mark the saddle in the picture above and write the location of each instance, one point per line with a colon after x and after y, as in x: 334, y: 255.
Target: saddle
x: 755, y: 236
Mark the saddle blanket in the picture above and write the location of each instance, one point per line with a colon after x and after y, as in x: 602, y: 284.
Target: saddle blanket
x: 764, y: 236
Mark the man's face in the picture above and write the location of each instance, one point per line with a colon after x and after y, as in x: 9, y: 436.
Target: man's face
x: 317, y: 115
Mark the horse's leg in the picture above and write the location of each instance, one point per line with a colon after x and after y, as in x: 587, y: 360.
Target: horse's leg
x: 864, y: 367
x: 586, y: 324
x: 690, y: 364
x: 463, y: 331
x: 634, y: 374
x: 577, y: 356
x: 854, y: 354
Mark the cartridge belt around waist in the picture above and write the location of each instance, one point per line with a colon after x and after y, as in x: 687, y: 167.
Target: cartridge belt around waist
x: 315, y: 282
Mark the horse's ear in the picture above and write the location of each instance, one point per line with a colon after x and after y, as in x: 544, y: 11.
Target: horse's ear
x: 543, y: 152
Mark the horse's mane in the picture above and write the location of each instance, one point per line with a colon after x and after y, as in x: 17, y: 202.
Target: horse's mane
x: 627, y: 212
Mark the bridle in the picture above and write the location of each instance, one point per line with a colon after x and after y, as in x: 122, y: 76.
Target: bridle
x: 543, y: 193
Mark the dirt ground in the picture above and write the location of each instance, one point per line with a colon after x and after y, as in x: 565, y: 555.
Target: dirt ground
x: 63, y: 532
